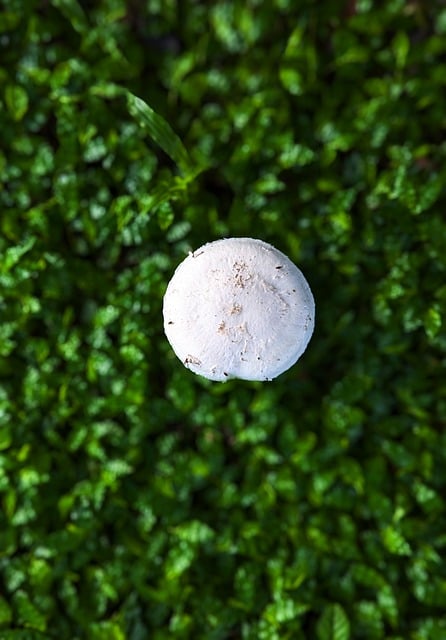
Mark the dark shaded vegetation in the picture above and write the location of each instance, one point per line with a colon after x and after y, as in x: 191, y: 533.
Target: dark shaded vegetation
x: 141, y: 501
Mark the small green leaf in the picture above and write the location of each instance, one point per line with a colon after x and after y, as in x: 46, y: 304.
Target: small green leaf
x: 333, y: 624
x: 167, y: 191
x: 106, y: 630
x: 432, y: 322
x: 5, y: 612
x: 13, y: 254
x: 5, y: 437
x: 369, y: 622
x: 291, y: 80
x: 428, y: 194
x: 388, y: 604
x: 401, y: 46
x: 284, y: 609
x: 107, y: 90
x: 395, y: 542
x: 165, y: 216
x: 194, y: 532
x: 29, y: 615
x: 17, y: 101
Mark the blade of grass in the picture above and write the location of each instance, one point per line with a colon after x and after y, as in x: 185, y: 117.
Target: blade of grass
x: 160, y: 131
x: 157, y: 127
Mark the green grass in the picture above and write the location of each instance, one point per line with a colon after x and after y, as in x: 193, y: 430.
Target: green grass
x: 138, y: 500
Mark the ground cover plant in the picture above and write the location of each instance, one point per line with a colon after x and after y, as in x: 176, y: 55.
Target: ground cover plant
x: 137, y: 499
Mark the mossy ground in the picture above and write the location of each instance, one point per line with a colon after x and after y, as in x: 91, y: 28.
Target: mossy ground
x: 137, y: 499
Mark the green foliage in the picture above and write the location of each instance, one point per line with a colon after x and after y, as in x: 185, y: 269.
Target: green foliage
x: 333, y: 624
x: 136, y: 499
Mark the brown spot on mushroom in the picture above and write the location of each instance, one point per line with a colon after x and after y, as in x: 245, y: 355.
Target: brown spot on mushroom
x: 221, y: 327
x: 241, y: 276
x: 192, y: 360
x: 236, y: 308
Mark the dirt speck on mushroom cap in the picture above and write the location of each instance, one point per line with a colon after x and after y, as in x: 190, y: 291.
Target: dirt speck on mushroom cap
x: 238, y: 308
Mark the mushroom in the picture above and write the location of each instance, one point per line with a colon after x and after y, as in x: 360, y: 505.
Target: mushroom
x: 238, y: 308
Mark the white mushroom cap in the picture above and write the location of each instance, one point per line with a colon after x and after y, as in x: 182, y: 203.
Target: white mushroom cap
x: 238, y: 308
